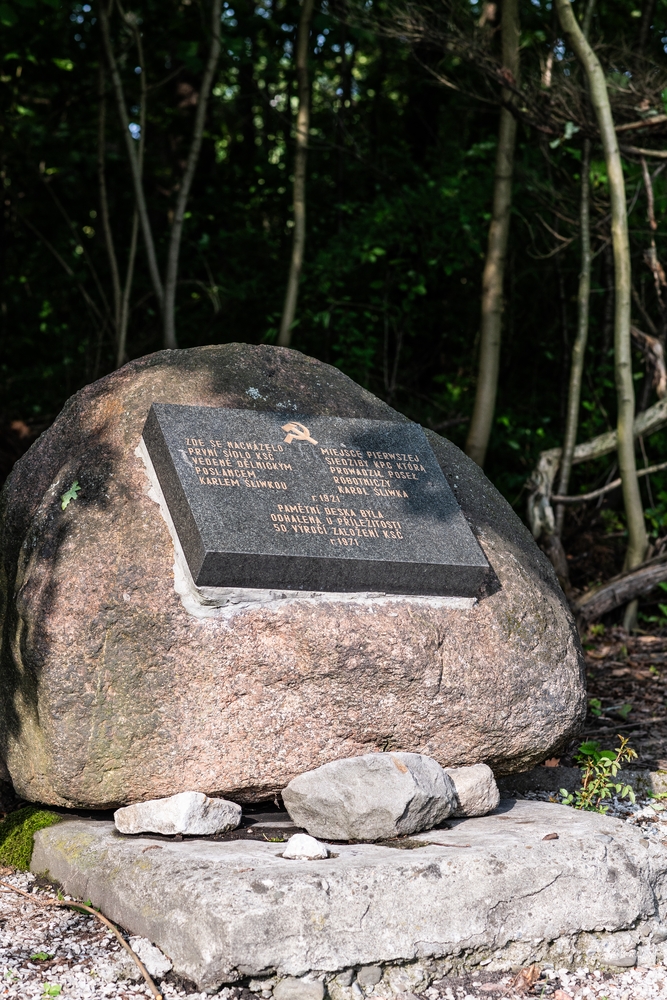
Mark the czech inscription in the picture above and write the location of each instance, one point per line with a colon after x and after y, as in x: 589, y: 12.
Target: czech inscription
x: 317, y: 503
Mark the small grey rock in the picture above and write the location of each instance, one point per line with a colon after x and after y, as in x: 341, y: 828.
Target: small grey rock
x: 190, y: 813
x: 345, y: 978
x: 369, y: 975
x: 371, y: 797
x: 299, y: 989
x: 476, y: 790
x: 156, y: 963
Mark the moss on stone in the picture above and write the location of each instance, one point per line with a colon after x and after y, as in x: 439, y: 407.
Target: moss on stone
x: 16, y: 833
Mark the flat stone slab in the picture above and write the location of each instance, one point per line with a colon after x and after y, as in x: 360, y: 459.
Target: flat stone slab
x: 487, y: 891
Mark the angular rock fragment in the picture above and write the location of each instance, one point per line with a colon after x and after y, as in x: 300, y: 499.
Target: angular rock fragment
x: 476, y: 790
x: 155, y: 962
x: 371, y: 797
x: 190, y: 813
x: 299, y: 989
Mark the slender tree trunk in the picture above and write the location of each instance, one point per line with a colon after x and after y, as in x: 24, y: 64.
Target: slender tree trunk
x: 121, y: 352
x: 494, y: 267
x: 104, y: 201
x: 300, y: 156
x: 637, y: 538
x: 579, y: 348
x: 645, y: 23
x: 186, y: 183
x: 133, y: 157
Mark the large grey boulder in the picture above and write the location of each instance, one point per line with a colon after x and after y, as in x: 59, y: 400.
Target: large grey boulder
x: 372, y: 797
x: 476, y: 790
x: 191, y: 813
x: 115, y: 689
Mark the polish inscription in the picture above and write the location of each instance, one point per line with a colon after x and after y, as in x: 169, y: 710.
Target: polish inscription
x: 237, y: 464
x: 317, y: 488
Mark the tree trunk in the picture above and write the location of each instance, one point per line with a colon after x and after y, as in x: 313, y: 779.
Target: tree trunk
x: 494, y: 267
x: 637, y: 539
x: 169, y: 316
x: 645, y: 23
x: 133, y: 157
x: 121, y: 342
x: 104, y: 201
x: 299, y: 196
x: 579, y: 349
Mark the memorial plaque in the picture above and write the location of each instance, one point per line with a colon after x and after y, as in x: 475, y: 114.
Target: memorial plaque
x: 266, y: 500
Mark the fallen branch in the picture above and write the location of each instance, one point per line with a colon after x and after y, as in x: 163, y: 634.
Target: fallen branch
x: 585, y: 497
x: 659, y: 154
x: 541, y: 480
x: 654, y: 120
x: 621, y: 589
x: 73, y: 905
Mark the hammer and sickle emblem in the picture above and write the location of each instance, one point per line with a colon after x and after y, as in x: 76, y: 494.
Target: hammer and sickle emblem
x: 297, y: 432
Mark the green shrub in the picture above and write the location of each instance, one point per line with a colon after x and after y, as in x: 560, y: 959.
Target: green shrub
x: 16, y: 833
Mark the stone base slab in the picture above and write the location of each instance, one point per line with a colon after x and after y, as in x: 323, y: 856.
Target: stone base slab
x: 489, y: 891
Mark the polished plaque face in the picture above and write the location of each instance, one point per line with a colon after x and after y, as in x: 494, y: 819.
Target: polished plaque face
x: 266, y: 500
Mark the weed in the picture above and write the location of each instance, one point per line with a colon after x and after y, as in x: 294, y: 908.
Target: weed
x: 600, y: 767
x: 595, y: 707
x: 40, y: 956
x: 16, y: 833
x: 52, y: 990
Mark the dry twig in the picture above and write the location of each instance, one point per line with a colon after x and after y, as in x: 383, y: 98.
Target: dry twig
x: 74, y: 905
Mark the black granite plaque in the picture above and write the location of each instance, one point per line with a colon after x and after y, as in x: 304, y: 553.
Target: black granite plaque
x: 310, y: 503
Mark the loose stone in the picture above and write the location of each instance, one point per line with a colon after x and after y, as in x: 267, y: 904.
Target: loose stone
x: 375, y: 796
x: 155, y: 962
x: 301, y: 847
x: 190, y: 813
x: 476, y: 790
x: 369, y: 975
x: 299, y: 989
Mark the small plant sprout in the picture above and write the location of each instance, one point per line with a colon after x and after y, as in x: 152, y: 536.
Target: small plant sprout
x: 70, y: 494
x: 595, y: 707
x: 40, y: 956
x: 600, y: 768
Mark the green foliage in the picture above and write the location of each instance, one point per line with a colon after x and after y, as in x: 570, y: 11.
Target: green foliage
x: 595, y: 707
x: 16, y: 835
x: 52, y: 990
x: 40, y: 956
x: 70, y: 494
x: 399, y: 189
x: 600, y: 768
